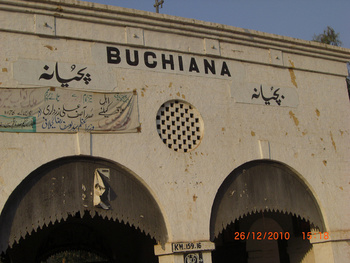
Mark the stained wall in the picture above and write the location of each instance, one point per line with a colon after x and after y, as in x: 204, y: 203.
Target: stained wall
x: 269, y: 97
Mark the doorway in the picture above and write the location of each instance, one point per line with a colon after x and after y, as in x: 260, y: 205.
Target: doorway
x: 84, y: 239
x: 284, y: 241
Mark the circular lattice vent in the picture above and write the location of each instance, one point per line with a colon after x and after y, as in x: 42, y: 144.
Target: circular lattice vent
x: 179, y: 125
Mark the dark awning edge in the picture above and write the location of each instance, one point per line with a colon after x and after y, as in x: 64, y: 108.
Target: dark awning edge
x: 220, y: 230
x: 45, y: 222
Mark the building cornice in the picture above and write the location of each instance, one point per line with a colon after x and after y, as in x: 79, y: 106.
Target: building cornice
x: 118, y: 16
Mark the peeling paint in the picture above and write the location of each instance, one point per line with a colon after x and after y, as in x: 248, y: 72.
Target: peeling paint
x: 341, y: 188
x: 295, y: 119
x: 143, y: 90
x: 317, y: 112
x: 292, y: 74
x: 252, y: 133
x: 170, y: 84
x: 4, y: 69
x: 325, y: 162
x: 178, y: 94
x: 50, y: 47
x: 194, y: 198
x: 333, y: 142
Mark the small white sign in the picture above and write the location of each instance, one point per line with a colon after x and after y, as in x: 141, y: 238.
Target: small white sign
x: 181, y: 247
x: 193, y: 258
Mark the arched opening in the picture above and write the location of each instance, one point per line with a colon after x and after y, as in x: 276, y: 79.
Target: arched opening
x: 53, y: 215
x: 263, y: 212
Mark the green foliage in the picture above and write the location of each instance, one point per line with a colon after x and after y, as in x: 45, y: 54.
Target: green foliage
x: 328, y: 37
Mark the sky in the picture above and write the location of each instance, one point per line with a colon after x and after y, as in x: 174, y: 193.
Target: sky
x: 300, y: 19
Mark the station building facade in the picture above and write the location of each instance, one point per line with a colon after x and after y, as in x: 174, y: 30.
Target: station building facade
x: 129, y: 136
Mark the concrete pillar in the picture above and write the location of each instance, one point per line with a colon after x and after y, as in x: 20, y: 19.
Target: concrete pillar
x: 323, y: 252
x: 300, y: 250
x: 331, y: 246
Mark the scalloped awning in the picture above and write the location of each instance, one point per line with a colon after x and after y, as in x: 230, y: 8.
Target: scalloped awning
x: 65, y: 187
x: 263, y: 186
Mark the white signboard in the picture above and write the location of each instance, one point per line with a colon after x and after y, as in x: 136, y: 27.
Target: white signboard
x: 264, y: 94
x: 161, y: 61
x: 63, y: 75
x: 67, y: 110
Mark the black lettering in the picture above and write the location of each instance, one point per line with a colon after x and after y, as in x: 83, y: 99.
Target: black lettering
x: 136, y: 58
x: 181, y: 64
x: 193, y: 65
x: 225, y: 70
x: 147, y: 63
x: 209, y: 66
x: 168, y: 61
x: 113, y: 55
x: 176, y: 247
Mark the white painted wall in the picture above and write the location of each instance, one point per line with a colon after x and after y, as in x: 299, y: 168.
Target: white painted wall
x: 310, y: 134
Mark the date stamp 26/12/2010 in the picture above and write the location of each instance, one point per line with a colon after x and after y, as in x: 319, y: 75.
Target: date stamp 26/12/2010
x: 278, y: 235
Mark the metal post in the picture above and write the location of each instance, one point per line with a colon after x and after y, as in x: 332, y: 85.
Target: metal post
x: 157, y: 4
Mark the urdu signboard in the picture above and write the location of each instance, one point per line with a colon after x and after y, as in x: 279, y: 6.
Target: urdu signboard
x: 66, y: 110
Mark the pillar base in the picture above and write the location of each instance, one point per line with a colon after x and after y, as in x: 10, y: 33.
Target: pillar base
x: 185, y: 252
